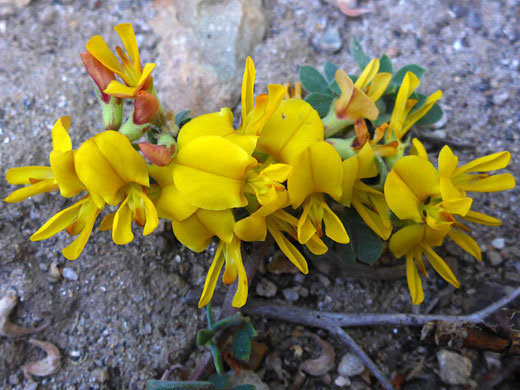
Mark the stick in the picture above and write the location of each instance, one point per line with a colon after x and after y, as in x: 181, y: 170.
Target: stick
x: 345, y: 337
x: 328, y: 320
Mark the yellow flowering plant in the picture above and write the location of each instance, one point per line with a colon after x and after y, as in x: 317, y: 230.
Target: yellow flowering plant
x: 329, y: 172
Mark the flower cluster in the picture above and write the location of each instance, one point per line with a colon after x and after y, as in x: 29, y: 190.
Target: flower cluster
x: 288, y: 170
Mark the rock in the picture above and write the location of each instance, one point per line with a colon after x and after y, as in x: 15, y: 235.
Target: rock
x: 100, y: 375
x: 499, y: 243
x: 342, y: 381
x: 454, y: 369
x: 266, y: 288
x: 350, y: 365
x: 69, y: 273
x: 501, y: 98
x: 494, y: 258
x: 203, y: 50
x: 492, y: 360
x: 247, y: 378
x: 291, y: 294
x: 329, y: 40
x: 474, y: 20
x: 10, y: 7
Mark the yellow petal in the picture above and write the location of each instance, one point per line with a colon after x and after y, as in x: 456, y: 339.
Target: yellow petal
x: 152, y: 220
x: 59, y: 221
x: 334, y: 228
x: 127, y: 35
x: 212, y: 277
x: 240, y: 297
x: 73, y: 250
x: 290, y: 130
x: 317, y: 169
x: 221, y: 223
x: 65, y: 173
x: 347, y: 88
x: 378, y: 86
x: 418, y: 149
x: 147, y: 71
x: 411, y: 181
x: 440, y: 266
x: 173, y: 205
x: 367, y: 166
x: 252, y: 228
x: 265, y: 107
x: 217, y: 123
x: 210, y: 171
x: 377, y: 222
x: 122, y: 228
x: 129, y: 165
x: 99, y: 49
x: 448, y: 189
x: 350, y: 172
x: 192, y: 233
x: 60, y: 136
x: 115, y: 88
x: 458, y: 206
x: 495, y: 183
x: 305, y: 228
x: 414, y: 281
x: 409, y: 84
x: 483, y: 219
x: 97, y: 174
x: 405, y: 238
x: 31, y: 190
x: 447, y: 162
x: 466, y: 242
x: 316, y: 246
x: 289, y: 249
x: 491, y: 162
x: 248, y: 83
x: 107, y: 222
x: 361, y: 106
x: 368, y: 74
x: 28, y: 175
x: 412, y: 118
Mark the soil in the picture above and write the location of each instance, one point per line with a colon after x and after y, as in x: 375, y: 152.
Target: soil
x: 124, y: 313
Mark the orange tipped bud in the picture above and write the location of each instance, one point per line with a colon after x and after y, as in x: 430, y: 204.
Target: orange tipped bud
x: 101, y: 75
x: 160, y: 155
x: 145, y: 107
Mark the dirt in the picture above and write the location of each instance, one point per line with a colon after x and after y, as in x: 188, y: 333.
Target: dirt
x: 124, y: 313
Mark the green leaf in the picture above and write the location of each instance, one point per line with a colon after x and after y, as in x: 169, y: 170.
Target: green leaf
x: 330, y: 71
x: 334, y: 88
x: 414, y: 68
x: 320, y: 102
x: 357, y: 53
x: 204, y: 336
x: 182, y: 118
x: 385, y: 65
x: 242, y: 341
x: 221, y: 382
x: 421, y: 99
x: 434, y: 115
x: 169, y: 385
x: 312, y: 80
x: 383, y: 118
x: 346, y: 251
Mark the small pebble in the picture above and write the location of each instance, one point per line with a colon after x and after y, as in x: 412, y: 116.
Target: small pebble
x: 100, y: 375
x: 266, y: 288
x: 329, y: 41
x: 342, y: 381
x: 350, y: 365
x: 454, y: 369
x: 494, y: 258
x: 500, y: 99
x: 499, y: 243
x: 492, y: 360
x: 291, y: 295
x: 69, y: 273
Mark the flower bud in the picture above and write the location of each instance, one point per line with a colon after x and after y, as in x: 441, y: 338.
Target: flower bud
x: 101, y: 75
x: 160, y: 155
x: 145, y: 107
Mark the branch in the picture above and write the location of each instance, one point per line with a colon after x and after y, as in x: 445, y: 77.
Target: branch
x: 329, y: 320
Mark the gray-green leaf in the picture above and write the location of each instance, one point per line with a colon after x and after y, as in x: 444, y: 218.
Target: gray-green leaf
x: 320, y: 102
x: 357, y: 53
x: 312, y: 80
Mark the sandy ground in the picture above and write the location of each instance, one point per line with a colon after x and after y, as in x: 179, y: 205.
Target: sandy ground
x: 123, y: 314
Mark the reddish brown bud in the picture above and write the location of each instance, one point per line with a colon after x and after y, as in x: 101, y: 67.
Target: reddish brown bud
x: 101, y: 75
x: 160, y: 155
x: 145, y: 107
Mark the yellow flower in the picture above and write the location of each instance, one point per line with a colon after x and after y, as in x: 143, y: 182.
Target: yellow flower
x: 77, y: 219
x: 414, y: 241
x: 353, y: 103
x: 60, y: 175
x: 130, y: 70
x: 372, y: 83
x: 317, y: 171
x: 402, y: 117
x: 115, y: 172
x: 369, y: 203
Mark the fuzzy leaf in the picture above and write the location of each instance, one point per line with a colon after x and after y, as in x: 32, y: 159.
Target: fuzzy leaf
x: 182, y: 118
x: 414, y: 68
x: 204, y: 336
x: 242, y: 341
x: 385, y: 65
x: 169, y: 385
x: 330, y: 71
x: 434, y: 115
x: 312, y: 80
x: 334, y: 87
x: 383, y: 117
x: 359, y: 56
x: 320, y: 102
